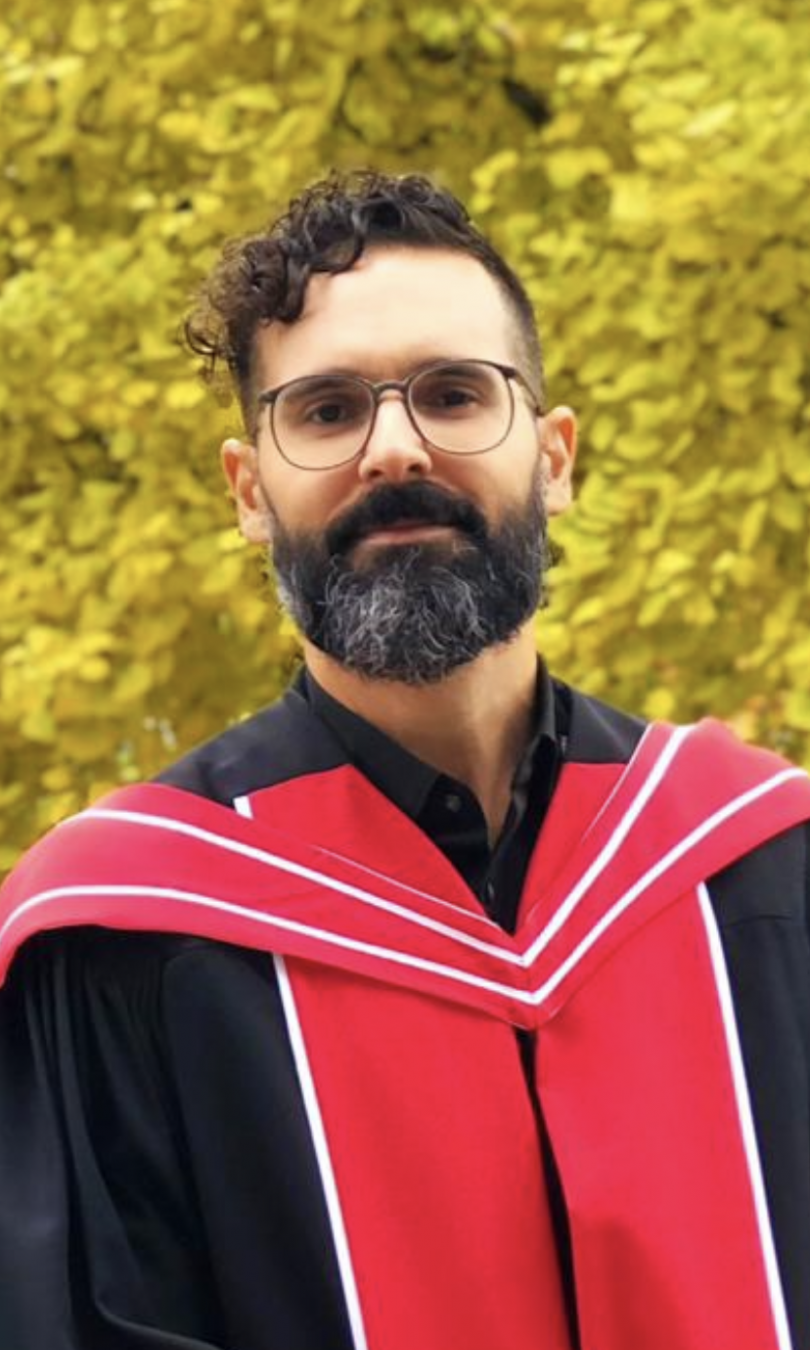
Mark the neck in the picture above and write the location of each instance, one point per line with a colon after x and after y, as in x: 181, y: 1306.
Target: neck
x: 474, y: 725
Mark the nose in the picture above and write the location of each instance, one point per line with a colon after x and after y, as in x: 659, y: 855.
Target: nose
x: 395, y: 450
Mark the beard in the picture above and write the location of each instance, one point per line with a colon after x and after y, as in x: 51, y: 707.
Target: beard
x: 416, y: 612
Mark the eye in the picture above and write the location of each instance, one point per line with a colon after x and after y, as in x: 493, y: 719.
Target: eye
x: 454, y: 390
x: 323, y: 406
x: 446, y: 391
x: 334, y: 408
x: 453, y: 396
x: 331, y: 412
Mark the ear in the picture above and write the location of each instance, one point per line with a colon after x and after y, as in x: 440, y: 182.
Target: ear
x: 558, y: 449
x: 240, y: 464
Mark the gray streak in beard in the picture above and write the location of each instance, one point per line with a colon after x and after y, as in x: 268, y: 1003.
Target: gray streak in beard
x: 400, y: 629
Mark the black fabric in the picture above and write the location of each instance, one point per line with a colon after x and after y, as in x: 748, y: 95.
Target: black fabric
x: 155, y: 1159
x: 761, y: 904
x: 276, y: 744
x: 158, y: 1182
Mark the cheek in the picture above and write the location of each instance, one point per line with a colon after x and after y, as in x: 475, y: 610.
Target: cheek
x: 303, y: 500
x: 507, y: 486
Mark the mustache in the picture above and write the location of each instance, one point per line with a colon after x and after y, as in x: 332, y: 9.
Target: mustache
x: 393, y: 504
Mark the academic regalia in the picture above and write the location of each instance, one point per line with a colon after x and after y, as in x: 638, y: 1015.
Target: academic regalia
x: 263, y: 1068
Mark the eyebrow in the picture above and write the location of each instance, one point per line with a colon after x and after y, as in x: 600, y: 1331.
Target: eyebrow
x: 406, y: 368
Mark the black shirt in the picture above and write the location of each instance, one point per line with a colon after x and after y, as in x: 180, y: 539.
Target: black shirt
x: 446, y: 810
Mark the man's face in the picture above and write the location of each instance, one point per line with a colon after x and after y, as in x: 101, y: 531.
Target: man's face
x: 407, y: 562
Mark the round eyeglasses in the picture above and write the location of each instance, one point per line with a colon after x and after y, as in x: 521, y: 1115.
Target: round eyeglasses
x: 460, y: 407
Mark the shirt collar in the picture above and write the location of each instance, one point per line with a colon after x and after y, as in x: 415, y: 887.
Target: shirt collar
x: 405, y: 779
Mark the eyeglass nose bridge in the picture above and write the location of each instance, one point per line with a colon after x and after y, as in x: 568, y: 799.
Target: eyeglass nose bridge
x: 377, y: 388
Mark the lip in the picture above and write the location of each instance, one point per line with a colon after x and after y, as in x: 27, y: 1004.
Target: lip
x: 406, y: 531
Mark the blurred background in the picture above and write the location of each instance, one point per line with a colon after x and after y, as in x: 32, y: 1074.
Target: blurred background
x: 646, y: 168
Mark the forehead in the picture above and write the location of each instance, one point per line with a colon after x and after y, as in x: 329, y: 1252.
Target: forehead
x: 396, y: 308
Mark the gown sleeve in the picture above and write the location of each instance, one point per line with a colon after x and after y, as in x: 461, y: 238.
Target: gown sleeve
x: 156, y: 1171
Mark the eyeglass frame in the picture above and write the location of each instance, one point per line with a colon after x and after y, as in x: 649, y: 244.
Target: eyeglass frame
x: 377, y: 388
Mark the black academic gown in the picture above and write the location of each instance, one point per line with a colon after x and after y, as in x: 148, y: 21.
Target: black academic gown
x: 156, y: 1166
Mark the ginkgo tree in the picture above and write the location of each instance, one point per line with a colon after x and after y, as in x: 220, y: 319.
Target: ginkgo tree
x: 643, y: 165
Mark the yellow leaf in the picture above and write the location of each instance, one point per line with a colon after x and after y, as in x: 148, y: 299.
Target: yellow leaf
x: 660, y: 705
x: 137, y: 393
x: 567, y: 168
x: 487, y: 174
x: 797, y: 659
x: 794, y: 456
x: 694, y: 245
x: 39, y: 726
x: 224, y: 575
x: 590, y: 610
x: 789, y: 511
x: 669, y: 563
x: 181, y: 126
x: 797, y: 709
x: 183, y: 394
x: 784, y: 387
x: 633, y: 200
x: 653, y: 609
x: 84, y: 31
x: 636, y: 447
x: 659, y: 114
x: 752, y: 525
x: 133, y: 684
x: 87, y: 743
x: 711, y: 120
x: 94, y: 669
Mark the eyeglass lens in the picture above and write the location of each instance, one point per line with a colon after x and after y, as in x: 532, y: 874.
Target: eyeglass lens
x: 463, y: 408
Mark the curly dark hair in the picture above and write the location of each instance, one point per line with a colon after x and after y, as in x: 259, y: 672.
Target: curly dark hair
x: 262, y: 278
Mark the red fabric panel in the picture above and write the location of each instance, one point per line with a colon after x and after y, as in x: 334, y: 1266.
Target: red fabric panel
x: 638, y: 1095
x: 581, y: 792
x: 342, y: 812
x: 434, y: 1147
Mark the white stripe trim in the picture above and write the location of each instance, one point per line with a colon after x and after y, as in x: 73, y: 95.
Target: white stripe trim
x: 520, y: 959
x: 321, y: 1146
x: 397, y: 957
x: 243, y: 808
x: 318, y: 1132
x: 614, y: 843
x: 267, y: 920
x: 663, y: 865
x: 508, y: 955
x: 746, y: 1119
x: 522, y: 996
x: 281, y: 864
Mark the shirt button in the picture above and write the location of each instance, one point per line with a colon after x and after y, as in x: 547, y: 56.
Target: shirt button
x: 489, y: 893
x: 453, y: 802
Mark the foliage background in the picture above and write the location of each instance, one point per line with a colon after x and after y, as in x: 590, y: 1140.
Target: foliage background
x: 647, y: 168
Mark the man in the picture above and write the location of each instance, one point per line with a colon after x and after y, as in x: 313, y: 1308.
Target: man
x: 438, y: 1005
